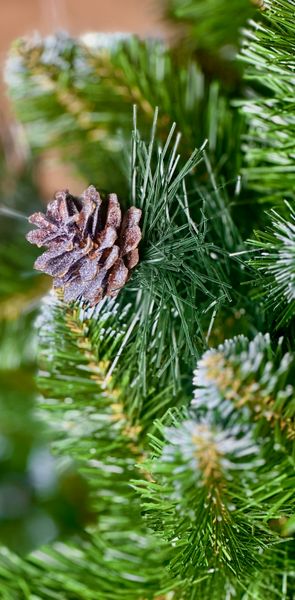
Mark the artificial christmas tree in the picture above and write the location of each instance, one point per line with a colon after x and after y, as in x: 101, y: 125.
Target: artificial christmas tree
x: 175, y: 400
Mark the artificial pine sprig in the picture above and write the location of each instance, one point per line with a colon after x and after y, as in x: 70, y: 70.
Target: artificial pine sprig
x: 205, y: 23
x: 116, y: 558
x: 249, y: 376
x: 275, y: 262
x: 195, y: 485
x: 42, y: 497
x: 79, y: 92
x: 268, y: 48
x: 168, y: 325
x: 221, y: 478
x: 170, y: 319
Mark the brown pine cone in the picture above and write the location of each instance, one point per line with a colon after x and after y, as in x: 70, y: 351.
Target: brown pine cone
x: 91, y: 249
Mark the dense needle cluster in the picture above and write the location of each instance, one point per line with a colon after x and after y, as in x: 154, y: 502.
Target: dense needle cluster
x: 91, y: 248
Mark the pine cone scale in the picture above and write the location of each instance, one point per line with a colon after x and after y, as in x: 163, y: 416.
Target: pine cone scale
x: 41, y: 220
x: 107, y: 238
x: 114, y: 214
x: 131, y: 233
x: 117, y: 278
x: 110, y: 257
x: 132, y: 259
x: 74, y: 290
x: 89, y: 269
x: 57, y: 251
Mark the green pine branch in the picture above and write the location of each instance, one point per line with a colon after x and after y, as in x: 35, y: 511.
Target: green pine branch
x: 176, y: 236
x: 107, y: 377
x: 42, y: 498
x: 20, y: 289
x: 269, y: 49
x: 205, y: 29
x: 221, y: 478
x: 274, y: 260
x: 76, y: 96
x: 116, y: 557
x: 250, y: 376
x: 187, y: 233
x: 217, y: 489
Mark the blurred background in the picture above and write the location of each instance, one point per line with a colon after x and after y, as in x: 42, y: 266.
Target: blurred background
x: 23, y: 17
x: 25, y: 181
x: 26, y: 17
x: 67, y: 124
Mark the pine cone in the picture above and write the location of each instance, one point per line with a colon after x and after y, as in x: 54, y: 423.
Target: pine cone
x: 91, y: 249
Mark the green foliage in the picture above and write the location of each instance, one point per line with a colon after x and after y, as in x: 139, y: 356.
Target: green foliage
x: 176, y: 248
x: 220, y: 485
x: 198, y: 493
x: 277, y: 578
x: 253, y: 378
x: 209, y: 511
x: 40, y: 498
x: 19, y: 286
x: 116, y: 557
x: 269, y: 49
x: 275, y: 261
x: 206, y: 24
x: 169, y: 321
x: 76, y: 96
x: 20, y: 289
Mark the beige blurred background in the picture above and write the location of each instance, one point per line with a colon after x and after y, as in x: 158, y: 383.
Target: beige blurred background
x: 24, y: 17
x: 21, y: 16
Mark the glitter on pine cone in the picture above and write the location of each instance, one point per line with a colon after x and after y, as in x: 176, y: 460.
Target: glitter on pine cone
x: 91, y: 248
